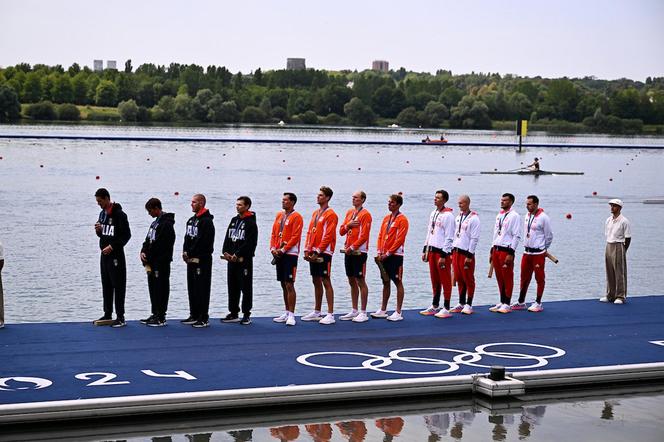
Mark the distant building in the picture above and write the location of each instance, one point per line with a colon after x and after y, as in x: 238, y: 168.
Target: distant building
x: 295, y: 63
x: 380, y: 66
x: 98, y: 65
x: 111, y: 64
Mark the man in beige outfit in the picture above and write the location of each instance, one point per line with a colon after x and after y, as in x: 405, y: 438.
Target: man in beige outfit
x: 618, y: 231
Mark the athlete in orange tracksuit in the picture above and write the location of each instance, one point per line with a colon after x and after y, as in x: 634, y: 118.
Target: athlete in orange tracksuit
x: 356, y: 228
x: 318, y: 250
x: 390, y: 248
x: 285, y: 248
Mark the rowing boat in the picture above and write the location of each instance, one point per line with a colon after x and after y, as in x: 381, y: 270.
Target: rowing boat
x: 530, y: 172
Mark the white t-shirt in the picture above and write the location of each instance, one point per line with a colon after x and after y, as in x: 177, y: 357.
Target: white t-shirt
x: 617, y: 229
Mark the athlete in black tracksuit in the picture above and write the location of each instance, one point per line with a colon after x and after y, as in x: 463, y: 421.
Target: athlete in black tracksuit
x: 157, y: 254
x: 113, y: 231
x: 240, y: 242
x: 197, y: 252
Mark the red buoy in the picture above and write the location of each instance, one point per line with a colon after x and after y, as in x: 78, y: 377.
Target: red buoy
x: 97, y: 177
x: 288, y: 178
x: 459, y: 179
x: 594, y: 193
x: 568, y: 216
x: 176, y: 193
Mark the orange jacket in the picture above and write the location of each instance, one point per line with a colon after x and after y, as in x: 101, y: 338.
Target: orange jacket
x: 322, y: 237
x: 358, y: 238
x: 392, y: 242
x: 291, y: 235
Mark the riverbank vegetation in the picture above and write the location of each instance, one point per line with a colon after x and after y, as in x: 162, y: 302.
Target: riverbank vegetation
x: 190, y: 93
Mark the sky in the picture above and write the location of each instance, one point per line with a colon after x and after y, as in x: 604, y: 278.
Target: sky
x: 607, y: 39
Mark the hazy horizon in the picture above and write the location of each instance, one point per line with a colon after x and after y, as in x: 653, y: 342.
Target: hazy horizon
x: 611, y: 40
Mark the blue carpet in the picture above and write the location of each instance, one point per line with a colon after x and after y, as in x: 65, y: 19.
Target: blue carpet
x: 582, y: 333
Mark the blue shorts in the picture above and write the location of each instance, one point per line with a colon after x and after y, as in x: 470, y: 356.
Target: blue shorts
x: 356, y: 265
x: 321, y: 268
x: 286, y: 268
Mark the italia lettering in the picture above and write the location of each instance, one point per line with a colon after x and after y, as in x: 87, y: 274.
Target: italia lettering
x: 108, y: 230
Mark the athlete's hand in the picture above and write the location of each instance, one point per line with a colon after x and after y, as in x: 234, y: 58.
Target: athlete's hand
x: 424, y: 257
x: 107, y: 250
x: 354, y: 223
x: 441, y: 263
x: 509, y: 260
x: 233, y: 258
x: 144, y: 258
x: 185, y: 257
x: 98, y: 228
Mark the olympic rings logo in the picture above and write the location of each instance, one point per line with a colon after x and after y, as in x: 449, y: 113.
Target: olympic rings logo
x: 461, y: 357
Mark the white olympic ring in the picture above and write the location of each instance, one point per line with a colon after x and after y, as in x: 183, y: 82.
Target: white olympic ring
x: 379, y: 363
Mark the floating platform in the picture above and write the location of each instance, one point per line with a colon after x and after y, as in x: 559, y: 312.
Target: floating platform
x: 66, y: 371
x: 319, y: 141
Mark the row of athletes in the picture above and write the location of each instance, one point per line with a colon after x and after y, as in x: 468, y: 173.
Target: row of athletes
x: 449, y: 250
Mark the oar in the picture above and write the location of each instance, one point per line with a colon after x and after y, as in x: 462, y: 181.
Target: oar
x: 520, y: 168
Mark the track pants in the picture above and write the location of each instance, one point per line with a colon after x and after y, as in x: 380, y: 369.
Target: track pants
x: 199, y: 281
x: 616, y: 271
x: 113, y: 269
x: 465, y: 277
x: 504, y: 275
x: 530, y: 264
x: 240, y: 282
x: 159, y: 287
x: 440, y: 278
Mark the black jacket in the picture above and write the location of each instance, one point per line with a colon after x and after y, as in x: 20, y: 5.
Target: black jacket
x: 199, y: 238
x: 241, y: 236
x: 114, y: 229
x: 158, y: 244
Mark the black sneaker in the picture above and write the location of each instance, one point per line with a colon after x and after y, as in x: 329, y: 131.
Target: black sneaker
x: 246, y: 320
x: 155, y: 322
x: 189, y: 321
x: 119, y: 322
x: 230, y: 318
x: 200, y: 324
x: 148, y: 319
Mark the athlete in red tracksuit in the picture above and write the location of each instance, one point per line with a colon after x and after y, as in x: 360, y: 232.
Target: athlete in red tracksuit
x: 466, y: 237
x: 506, y: 237
x: 537, y: 227
x: 437, y: 251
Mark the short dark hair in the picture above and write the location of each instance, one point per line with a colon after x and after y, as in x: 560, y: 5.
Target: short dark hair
x: 397, y: 199
x: 201, y: 197
x: 326, y: 191
x: 534, y: 198
x: 245, y: 199
x: 291, y: 196
x: 509, y: 195
x: 103, y: 193
x: 363, y: 195
x: 153, y: 203
x: 446, y: 196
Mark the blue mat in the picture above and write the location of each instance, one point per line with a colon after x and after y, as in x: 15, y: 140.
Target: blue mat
x: 61, y: 361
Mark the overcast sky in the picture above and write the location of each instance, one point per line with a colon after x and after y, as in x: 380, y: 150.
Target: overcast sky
x: 608, y: 39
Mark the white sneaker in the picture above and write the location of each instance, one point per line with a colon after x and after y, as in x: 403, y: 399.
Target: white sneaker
x: 349, y: 316
x: 518, y: 306
x: 429, y: 311
x: 504, y: 309
x: 328, y: 319
x: 443, y: 313
x: 313, y: 316
x: 495, y: 307
x: 536, y: 307
x: 281, y: 318
x: 603, y: 299
x: 467, y: 309
x: 396, y: 316
x: 291, y: 319
x: 618, y: 301
x: 361, y: 317
x: 457, y: 309
x: 379, y: 314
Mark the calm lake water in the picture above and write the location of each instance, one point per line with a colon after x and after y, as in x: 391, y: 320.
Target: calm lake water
x: 47, y: 208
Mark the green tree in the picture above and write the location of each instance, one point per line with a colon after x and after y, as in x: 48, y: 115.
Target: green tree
x: 183, y: 108
x: 520, y: 106
x: 435, y: 114
x: 79, y: 86
x: 253, y: 114
x: 625, y: 103
x: 10, y: 108
x: 128, y: 110
x: 106, y: 94
x: 62, y: 91
x: 471, y: 113
x: 408, y: 117
x: 32, y: 88
x: 68, y: 112
x: 128, y: 68
x: 451, y: 96
x: 563, y: 96
x: 44, y: 110
x: 359, y: 113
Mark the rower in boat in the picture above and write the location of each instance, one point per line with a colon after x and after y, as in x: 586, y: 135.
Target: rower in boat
x: 535, y: 166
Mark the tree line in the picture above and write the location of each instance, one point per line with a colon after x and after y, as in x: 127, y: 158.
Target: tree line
x: 191, y: 93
